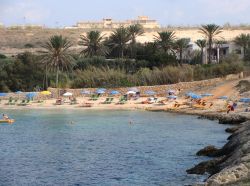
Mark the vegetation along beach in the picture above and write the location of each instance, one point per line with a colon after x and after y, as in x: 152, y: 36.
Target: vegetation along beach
x: 141, y: 101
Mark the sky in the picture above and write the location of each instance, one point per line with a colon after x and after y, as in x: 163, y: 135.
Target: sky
x: 60, y: 13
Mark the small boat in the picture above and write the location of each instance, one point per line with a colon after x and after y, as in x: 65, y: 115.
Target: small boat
x: 9, y: 121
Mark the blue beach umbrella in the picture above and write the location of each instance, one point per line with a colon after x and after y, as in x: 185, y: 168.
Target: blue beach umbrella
x: 85, y: 92
x: 206, y: 95
x: 100, y: 91
x: 171, y: 91
x: 189, y: 94
x: 150, y: 92
x: 223, y: 97
x: 31, y: 95
x: 114, y: 92
x: 172, y: 97
x: 245, y: 100
x: 104, y: 89
x: 134, y: 89
x: 195, y: 96
x: 2, y: 94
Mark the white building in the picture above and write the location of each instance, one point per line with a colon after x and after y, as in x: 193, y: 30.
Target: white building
x: 108, y: 23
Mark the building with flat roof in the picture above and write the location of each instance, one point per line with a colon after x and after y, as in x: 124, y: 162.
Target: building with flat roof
x: 108, y: 23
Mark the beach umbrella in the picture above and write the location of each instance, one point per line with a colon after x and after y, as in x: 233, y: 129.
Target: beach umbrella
x: 131, y: 92
x: 134, y: 89
x: 206, y: 95
x: 68, y: 94
x: 245, y: 100
x: 223, y: 97
x: 103, y: 89
x: 150, y: 92
x: 46, y: 93
x: 189, y: 94
x: 2, y: 94
x: 31, y: 95
x: 195, y: 96
x: 18, y: 92
x: 85, y: 92
x: 171, y: 91
x: 99, y: 91
x: 172, y: 97
x: 114, y: 92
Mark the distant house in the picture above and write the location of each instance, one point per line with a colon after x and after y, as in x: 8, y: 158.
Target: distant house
x: 108, y: 23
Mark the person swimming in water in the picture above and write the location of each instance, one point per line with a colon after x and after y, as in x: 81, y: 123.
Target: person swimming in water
x: 5, y: 116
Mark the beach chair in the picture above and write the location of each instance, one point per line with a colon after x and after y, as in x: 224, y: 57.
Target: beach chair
x: 11, y: 101
x: 73, y: 102
x: 24, y: 102
x: 108, y: 101
x: 94, y: 97
x: 122, y: 100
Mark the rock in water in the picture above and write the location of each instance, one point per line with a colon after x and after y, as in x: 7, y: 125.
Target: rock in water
x: 209, y: 151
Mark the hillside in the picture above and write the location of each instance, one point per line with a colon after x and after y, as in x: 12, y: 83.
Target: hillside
x: 13, y: 41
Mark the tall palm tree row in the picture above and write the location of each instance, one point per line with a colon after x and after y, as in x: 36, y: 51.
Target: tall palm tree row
x: 210, y: 31
x: 243, y: 41
x: 93, y: 43
x: 201, y: 43
x: 165, y: 40
x: 56, y: 55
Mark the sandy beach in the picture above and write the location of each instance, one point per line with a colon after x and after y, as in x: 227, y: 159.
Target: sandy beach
x: 180, y: 105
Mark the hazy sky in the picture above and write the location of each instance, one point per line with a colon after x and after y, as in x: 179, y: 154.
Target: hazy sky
x: 168, y: 12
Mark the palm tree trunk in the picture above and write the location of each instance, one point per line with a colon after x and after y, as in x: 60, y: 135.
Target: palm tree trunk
x: 57, y: 76
x: 122, y: 52
x: 210, y: 52
x: 202, y: 53
x: 181, y: 57
x: 244, y: 52
x: 46, y: 76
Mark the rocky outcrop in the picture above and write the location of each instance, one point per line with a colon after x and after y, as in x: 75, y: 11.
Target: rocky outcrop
x: 229, y: 175
x: 232, y: 166
x: 224, y: 118
x: 209, y: 166
x: 232, y: 129
x: 209, y: 151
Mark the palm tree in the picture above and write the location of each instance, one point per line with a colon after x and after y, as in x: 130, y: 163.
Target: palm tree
x: 134, y: 31
x: 210, y: 31
x: 165, y: 40
x: 181, y: 45
x: 93, y: 41
x: 56, y: 56
x: 119, y: 39
x: 243, y: 41
x: 201, y: 43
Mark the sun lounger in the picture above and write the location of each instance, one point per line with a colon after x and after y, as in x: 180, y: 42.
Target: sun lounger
x: 73, y: 102
x: 94, y: 98
x: 108, y: 101
x: 122, y: 101
x: 24, y: 102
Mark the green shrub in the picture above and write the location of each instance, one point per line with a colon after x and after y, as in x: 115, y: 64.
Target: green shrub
x: 2, y: 56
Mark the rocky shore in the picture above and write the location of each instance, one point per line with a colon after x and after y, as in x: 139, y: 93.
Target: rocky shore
x: 230, y: 165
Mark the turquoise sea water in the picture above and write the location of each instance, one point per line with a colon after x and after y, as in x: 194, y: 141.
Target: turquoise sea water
x: 79, y: 147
